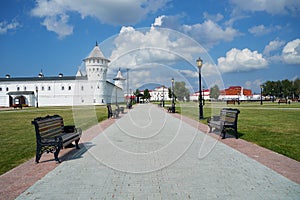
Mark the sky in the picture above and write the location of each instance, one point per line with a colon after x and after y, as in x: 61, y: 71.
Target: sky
x: 241, y: 42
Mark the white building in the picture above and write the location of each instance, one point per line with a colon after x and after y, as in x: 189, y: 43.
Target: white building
x: 159, y: 94
x: 89, y: 89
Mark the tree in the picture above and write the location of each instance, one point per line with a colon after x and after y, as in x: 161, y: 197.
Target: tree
x: 181, y: 92
x: 137, y: 92
x: 282, y: 89
x: 214, y: 92
x: 147, y: 94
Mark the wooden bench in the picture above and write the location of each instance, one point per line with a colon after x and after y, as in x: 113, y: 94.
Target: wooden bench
x: 171, y: 108
x: 111, y: 112
x: 230, y: 102
x: 17, y: 106
x: 120, y: 109
x: 52, y: 135
x: 227, y: 119
x: 283, y: 101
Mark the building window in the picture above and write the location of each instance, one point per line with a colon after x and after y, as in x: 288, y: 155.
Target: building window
x: 43, y: 88
x: 49, y: 88
x: 0, y: 89
x: 62, y: 87
x: 7, y: 89
x: 82, y: 88
x: 25, y: 88
x: 70, y: 87
x: 18, y: 88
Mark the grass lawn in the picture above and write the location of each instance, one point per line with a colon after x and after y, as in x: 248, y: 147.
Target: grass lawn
x: 17, y: 135
x: 270, y: 125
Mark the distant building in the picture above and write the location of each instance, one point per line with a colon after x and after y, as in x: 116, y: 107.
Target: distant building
x: 159, y: 94
x: 233, y: 92
x: 205, y: 95
x: 89, y: 89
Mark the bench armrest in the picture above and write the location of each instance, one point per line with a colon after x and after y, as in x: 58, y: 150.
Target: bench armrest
x: 69, y: 129
x: 214, y: 118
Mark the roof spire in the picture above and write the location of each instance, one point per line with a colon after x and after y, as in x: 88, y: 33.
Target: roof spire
x: 96, y: 43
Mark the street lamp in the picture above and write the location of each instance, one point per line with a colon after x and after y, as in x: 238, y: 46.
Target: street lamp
x: 173, y: 103
x: 163, y: 100
x: 261, y: 89
x: 37, y: 96
x: 199, y: 64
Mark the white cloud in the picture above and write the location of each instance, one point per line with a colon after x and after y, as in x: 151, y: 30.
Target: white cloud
x: 259, y: 30
x: 189, y: 73
x: 4, y: 26
x: 273, y: 46
x: 241, y: 60
x: 215, y: 18
x: 208, y: 33
x: 270, y: 6
x: 154, y: 45
x: 117, y: 12
x: 58, y: 24
x: 291, y: 52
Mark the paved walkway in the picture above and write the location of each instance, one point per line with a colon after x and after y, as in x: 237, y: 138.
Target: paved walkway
x: 149, y: 154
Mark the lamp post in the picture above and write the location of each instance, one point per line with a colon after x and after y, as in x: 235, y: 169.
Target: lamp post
x: 199, y: 64
x: 163, y: 100
x: 173, y: 103
x: 261, y: 89
x: 37, y: 97
x: 203, y: 96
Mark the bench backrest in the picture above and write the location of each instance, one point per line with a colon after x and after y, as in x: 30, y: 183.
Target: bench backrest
x: 229, y: 116
x: 48, y: 127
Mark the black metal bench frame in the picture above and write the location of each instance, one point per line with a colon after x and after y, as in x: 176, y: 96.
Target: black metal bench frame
x: 52, y: 136
x: 120, y: 109
x: 227, y: 119
x: 111, y: 112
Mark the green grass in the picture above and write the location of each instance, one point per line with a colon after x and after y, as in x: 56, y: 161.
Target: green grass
x: 270, y: 125
x: 17, y: 135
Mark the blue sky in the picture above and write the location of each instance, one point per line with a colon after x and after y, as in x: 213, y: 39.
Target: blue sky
x: 246, y: 42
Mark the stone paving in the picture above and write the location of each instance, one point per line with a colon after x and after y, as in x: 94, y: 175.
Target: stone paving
x: 149, y: 154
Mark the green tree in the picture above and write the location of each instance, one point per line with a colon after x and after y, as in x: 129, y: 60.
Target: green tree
x: 181, y: 92
x: 147, y: 94
x: 137, y: 92
x: 282, y: 89
x: 214, y: 92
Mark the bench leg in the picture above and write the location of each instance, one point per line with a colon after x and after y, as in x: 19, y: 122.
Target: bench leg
x: 76, y: 143
x: 56, y: 154
x: 223, y: 133
x: 236, y: 133
x: 38, y: 153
